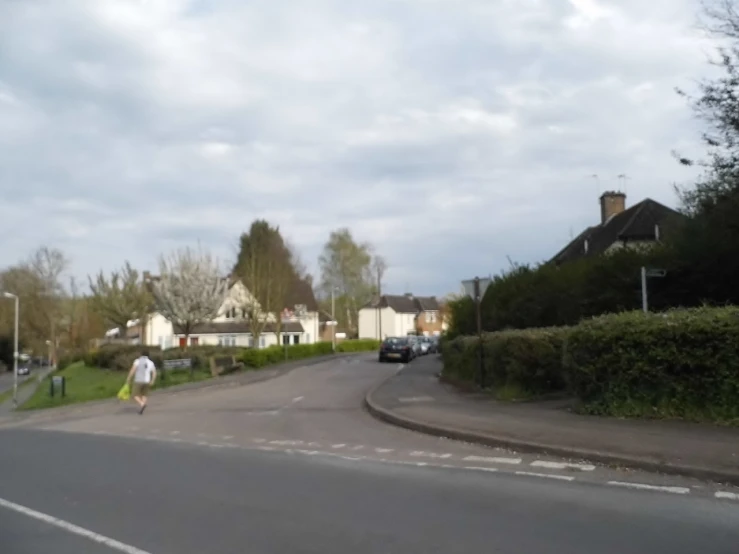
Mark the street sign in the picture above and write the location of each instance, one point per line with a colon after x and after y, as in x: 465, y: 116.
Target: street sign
x: 60, y: 383
x: 469, y: 286
x: 656, y: 272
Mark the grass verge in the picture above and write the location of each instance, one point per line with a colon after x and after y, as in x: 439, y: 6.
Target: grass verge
x: 84, y: 384
x: 8, y: 394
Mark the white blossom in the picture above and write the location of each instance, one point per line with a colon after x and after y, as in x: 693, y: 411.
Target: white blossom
x: 191, y: 289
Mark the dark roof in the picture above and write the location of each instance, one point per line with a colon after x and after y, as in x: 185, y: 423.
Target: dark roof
x: 239, y: 327
x: 634, y: 224
x: 302, y: 293
x: 406, y: 304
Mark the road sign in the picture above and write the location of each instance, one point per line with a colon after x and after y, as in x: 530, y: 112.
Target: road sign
x: 469, y: 286
x: 656, y: 272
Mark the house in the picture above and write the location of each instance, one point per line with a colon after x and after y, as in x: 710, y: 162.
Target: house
x: 391, y: 316
x: 328, y: 331
x: 639, y: 226
x: 299, y: 322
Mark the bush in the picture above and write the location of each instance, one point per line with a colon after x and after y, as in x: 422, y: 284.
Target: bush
x: 519, y: 364
x: 357, y: 345
x: 682, y: 363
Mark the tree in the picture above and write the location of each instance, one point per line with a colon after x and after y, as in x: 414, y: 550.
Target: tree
x: 49, y: 264
x: 377, y: 269
x: 190, y: 289
x: 121, y: 298
x: 266, y: 266
x: 345, y: 269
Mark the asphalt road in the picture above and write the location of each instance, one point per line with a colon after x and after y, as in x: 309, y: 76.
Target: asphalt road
x: 295, y: 465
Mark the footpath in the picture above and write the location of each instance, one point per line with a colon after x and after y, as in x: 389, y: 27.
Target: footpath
x: 416, y: 399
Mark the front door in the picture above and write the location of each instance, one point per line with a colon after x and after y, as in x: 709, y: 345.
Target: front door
x: 183, y: 342
x: 193, y: 341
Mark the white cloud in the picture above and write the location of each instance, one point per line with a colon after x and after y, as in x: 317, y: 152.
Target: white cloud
x: 451, y: 133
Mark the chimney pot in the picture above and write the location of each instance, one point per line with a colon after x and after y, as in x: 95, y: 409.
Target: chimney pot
x: 611, y: 203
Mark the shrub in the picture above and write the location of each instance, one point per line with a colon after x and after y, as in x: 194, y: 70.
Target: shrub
x: 522, y: 363
x: 357, y: 345
x: 682, y: 363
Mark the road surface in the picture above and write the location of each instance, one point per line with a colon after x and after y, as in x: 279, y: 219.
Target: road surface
x: 295, y: 465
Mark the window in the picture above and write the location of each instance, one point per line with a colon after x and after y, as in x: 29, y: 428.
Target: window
x: 261, y: 342
x: 285, y: 339
x: 251, y: 342
x: 428, y: 317
x: 296, y: 339
x: 225, y: 340
x: 307, y: 338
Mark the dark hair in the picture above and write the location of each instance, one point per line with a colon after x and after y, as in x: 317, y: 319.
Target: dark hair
x: 145, y: 352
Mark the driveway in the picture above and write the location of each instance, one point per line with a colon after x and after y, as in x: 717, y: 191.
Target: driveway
x: 294, y: 464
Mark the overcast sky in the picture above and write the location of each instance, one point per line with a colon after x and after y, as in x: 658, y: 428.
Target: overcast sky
x: 451, y: 134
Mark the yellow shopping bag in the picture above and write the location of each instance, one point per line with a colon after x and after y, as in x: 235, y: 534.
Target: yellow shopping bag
x: 125, y: 392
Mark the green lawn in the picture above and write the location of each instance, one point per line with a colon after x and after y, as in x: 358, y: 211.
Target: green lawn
x: 84, y: 384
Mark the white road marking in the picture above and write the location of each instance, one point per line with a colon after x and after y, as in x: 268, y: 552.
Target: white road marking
x: 727, y: 495
x: 267, y: 448
x: 416, y: 399
x: 477, y: 468
x: 71, y: 528
x: 227, y: 437
x: 562, y: 465
x: 358, y: 447
x: 399, y: 368
x: 174, y: 432
x: 383, y: 450
x: 643, y: 486
x: 203, y: 443
x: 492, y: 460
x: 342, y: 445
x: 259, y: 441
x: 298, y: 399
x: 352, y: 458
x: 287, y: 443
x: 546, y: 476
x: 420, y: 453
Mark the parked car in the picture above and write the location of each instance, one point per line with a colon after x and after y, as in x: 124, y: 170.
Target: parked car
x: 24, y: 370
x: 396, y: 348
x: 425, y: 344
x: 433, y: 345
x: 415, y: 343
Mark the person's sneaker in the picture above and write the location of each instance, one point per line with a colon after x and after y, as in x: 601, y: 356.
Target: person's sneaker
x: 141, y: 411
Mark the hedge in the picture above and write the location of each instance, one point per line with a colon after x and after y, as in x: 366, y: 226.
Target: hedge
x: 120, y: 357
x: 682, y: 363
x: 518, y: 364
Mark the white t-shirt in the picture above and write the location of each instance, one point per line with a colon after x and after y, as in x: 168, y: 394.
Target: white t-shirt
x: 144, y: 368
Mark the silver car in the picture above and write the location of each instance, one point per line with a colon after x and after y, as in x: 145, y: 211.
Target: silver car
x: 425, y: 343
x: 415, y: 345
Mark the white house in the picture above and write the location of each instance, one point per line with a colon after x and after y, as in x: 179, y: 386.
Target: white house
x: 395, y: 316
x: 300, y: 323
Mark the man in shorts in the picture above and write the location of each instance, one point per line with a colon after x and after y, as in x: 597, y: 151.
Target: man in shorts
x: 143, y: 374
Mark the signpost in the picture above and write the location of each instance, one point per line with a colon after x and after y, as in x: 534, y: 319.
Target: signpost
x: 475, y: 289
x: 647, y: 273
x: 58, y: 382
x: 182, y: 363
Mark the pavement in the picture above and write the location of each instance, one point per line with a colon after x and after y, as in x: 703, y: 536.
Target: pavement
x: 417, y: 399
x: 295, y: 464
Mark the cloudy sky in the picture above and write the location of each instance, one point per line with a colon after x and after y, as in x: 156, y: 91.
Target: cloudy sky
x: 449, y: 133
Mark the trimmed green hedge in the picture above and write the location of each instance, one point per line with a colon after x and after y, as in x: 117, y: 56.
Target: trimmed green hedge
x: 682, y: 363
x: 519, y: 364
x: 120, y: 357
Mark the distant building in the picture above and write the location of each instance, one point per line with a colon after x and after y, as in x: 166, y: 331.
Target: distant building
x: 641, y: 225
x: 393, y: 316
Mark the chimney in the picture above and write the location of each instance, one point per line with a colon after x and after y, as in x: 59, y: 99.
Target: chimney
x: 611, y: 203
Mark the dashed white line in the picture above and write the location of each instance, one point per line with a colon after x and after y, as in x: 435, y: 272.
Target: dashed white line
x: 562, y: 465
x: 421, y: 453
x: 492, y: 460
x: 644, y: 486
x: 287, y: 443
x: 259, y: 441
x: 727, y: 495
x: 383, y: 450
x: 341, y: 445
x: 546, y: 475
x: 357, y: 447
x: 71, y: 528
x: 298, y: 399
x: 227, y: 437
x: 479, y: 468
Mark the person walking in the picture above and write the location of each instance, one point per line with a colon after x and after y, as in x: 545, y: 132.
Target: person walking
x: 143, y: 374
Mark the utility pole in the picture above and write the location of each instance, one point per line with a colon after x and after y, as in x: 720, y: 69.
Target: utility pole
x: 380, y: 266
x: 333, y: 320
x: 15, y: 346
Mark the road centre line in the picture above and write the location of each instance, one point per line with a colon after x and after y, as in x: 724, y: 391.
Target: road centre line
x: 546, y: 475
x: 562, y: 465
x: 493, y: 460
x: 72, y: 528
x: 643, y: 486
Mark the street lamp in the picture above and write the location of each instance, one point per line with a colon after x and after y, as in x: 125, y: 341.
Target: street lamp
x: 475, y: 289
x: 15, y: 346
x: 333, y: 320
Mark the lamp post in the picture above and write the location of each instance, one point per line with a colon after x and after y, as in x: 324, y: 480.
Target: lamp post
x: 333, y: 320
x: 15, y: 347
x: 475, y: 289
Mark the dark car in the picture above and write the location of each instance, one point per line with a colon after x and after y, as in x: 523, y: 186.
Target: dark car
x: 396, y: 348
x: 433, y: 345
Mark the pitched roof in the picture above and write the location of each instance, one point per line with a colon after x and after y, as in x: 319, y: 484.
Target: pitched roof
x: 239, y: 327
x: 406, y: 304
x: 302, y: 293
x: 637, y: 223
